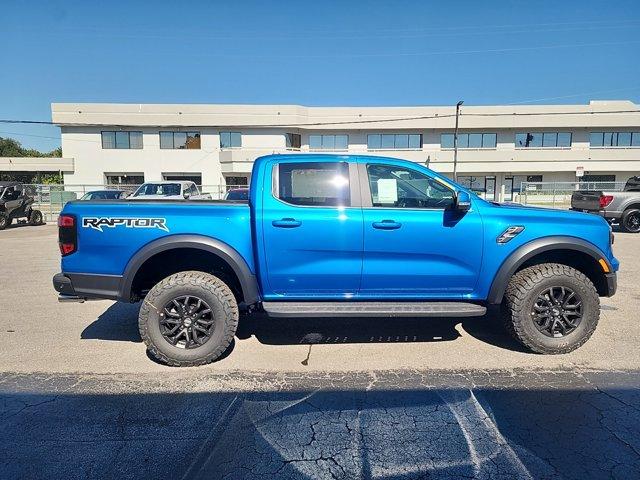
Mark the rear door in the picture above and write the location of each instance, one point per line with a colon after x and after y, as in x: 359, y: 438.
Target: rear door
x: 312, y: 230
x: 416, y: 245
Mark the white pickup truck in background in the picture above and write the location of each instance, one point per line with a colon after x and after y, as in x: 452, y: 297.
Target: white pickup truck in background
x: 170, y: 190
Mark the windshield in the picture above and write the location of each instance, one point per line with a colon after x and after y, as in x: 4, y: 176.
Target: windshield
x: 163, y: 189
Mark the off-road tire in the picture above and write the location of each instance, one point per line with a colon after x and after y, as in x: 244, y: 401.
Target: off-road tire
x: 626, y: 221
x: 214, y: 292
x: 521, y: 294
x: 35, y: 217
x: 4, y: 221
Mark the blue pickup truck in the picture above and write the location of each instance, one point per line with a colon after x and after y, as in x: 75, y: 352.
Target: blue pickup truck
x: 337, y: 236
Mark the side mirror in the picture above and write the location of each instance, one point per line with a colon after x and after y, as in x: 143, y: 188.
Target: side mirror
x: 186, y: 195
x: 463, y: 201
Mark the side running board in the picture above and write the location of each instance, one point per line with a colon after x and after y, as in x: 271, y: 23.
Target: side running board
x: 373, y: 309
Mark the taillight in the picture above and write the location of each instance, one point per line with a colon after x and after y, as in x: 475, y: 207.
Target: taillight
x: 605, y: 200
x: 67, y: 234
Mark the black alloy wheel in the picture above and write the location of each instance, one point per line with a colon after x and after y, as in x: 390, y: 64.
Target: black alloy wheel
x: 557, y: 311
x: 187, y: 322
x: 631, y: 221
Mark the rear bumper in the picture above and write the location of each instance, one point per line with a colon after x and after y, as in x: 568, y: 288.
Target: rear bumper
x: 87, y: 286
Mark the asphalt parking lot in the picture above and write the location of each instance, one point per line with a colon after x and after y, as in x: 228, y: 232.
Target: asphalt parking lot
x: 308, y: 398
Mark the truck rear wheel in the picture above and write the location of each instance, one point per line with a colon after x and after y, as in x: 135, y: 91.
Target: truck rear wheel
x: 551, y: 308
x: 188, y: 319
x: 631, y: 220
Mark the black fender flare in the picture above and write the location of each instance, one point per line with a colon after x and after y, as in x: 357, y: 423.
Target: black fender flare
x: 248, y: 281
x: 532, y: 248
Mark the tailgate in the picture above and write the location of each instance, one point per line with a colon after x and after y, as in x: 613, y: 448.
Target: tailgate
x: 586, y: 200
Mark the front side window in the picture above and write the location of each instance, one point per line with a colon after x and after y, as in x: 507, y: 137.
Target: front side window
x: 230, y: 140
x: 180, y: 140
x: 398, y: 187
x: 394, y: 141
x: 317, y: 184
x: 328, y: 142
x: 122, y: 140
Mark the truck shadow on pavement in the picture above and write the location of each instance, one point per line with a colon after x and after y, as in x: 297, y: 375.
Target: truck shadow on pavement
x: 400, y: 425
x: 120, y: 323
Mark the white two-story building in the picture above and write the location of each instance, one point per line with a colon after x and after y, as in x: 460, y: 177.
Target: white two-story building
x: 498, y: 146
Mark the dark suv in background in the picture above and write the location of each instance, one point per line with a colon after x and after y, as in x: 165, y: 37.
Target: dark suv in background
x: 16, y: 203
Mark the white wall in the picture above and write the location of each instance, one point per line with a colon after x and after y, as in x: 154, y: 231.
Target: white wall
x: 83, y: 144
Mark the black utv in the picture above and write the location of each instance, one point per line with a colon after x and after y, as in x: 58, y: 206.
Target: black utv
x: 15, y: 203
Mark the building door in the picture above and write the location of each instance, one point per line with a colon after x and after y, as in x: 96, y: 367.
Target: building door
x: 508, y: 189
x: 490, y: 188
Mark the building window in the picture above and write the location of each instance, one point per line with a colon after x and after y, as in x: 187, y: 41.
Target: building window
x: 122, y: 140
x: 328, y: 142
x: 543, y: 140
x: 469, y: 140
x: 474, y: 183
x: 236, y: 181
x: 317, y: 184
x: 183, y: 177
x: 230, y: 140
x: 124, y: 178
x: 293, y: 140
x: 615, y: 139
x: 180, y: 140
x: 394, y: 141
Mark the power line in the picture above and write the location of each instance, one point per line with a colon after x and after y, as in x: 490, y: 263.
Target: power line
x: 350, y: 122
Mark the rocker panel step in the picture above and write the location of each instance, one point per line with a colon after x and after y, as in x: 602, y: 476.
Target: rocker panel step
x: 373, y: 309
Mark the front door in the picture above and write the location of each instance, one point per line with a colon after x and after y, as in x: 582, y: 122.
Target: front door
x: 312, y: 227
x: 416, y: 245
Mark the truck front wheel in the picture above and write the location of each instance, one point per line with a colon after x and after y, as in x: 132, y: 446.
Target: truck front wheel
x: 188, y: 319
x: 551, y: 308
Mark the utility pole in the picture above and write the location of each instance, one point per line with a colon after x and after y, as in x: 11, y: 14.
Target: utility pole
x: 455, y: 143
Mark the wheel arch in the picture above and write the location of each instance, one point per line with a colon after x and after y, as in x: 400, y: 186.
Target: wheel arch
x: 226, y: 253
x: 545, y: 248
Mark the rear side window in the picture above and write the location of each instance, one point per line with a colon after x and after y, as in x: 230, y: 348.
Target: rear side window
x: 318, y: 184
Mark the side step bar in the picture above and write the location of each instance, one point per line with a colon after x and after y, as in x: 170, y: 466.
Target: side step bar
x: 373, y: 309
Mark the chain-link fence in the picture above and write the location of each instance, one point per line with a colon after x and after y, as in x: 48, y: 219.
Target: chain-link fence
x: 558, y: 194
x: 50, y: 199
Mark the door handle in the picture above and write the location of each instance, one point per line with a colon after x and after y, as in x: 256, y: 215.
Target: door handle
x: 286, y: 223
x: 387, y: 225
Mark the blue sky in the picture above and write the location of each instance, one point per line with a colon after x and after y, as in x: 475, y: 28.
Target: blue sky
x: 312, y: 53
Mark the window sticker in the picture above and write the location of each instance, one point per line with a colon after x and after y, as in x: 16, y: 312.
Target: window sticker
x: 387, y: 190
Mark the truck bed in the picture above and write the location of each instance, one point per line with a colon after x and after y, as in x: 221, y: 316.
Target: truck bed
x: 116, y: 230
